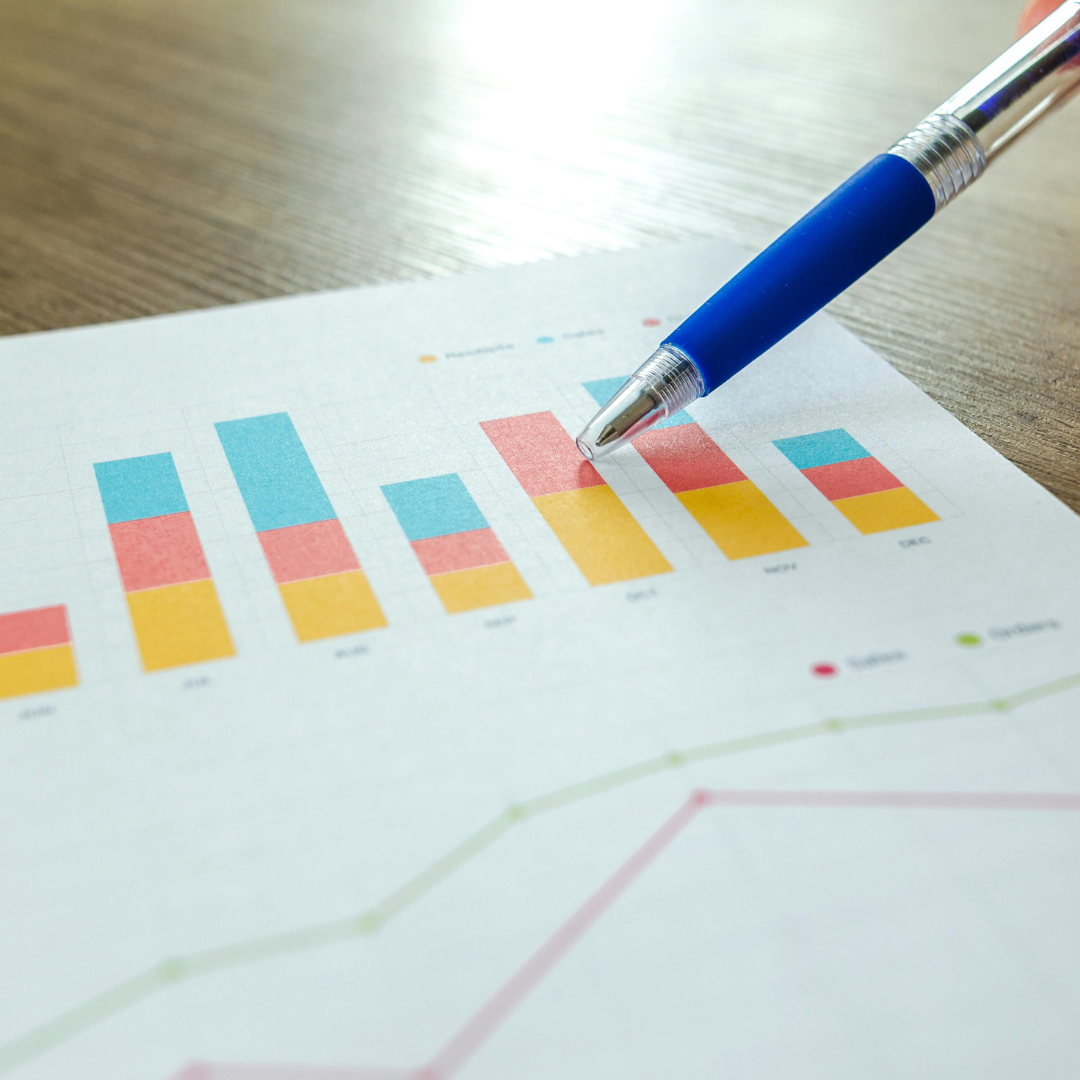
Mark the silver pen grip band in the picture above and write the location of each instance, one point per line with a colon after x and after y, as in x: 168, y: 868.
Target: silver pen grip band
x: 947, y: 152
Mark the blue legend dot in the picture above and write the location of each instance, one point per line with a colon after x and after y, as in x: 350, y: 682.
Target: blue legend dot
x: 545, y: 340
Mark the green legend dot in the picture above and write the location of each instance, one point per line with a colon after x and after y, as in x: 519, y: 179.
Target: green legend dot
x: 969, y: 640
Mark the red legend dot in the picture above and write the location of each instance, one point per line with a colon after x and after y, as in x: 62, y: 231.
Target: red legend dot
x: 824, y: 670
x: 650, y: 322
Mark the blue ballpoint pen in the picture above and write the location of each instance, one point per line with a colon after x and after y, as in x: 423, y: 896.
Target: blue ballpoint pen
x: 853, y: 229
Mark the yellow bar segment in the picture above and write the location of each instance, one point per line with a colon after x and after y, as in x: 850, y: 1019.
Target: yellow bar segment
x: 37, y: 670
x: 892, y: 509
x: 600, y: 535
x: 481, y: 586
x: 179, y: 624
x: 741, y: 520
x: 334, y: 604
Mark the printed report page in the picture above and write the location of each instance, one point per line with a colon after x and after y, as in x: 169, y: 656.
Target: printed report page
x: 353, y: 725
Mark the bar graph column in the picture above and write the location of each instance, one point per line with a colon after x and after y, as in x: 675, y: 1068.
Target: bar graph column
x: 36, y: 653
x: 171, y: 598
x: 732, y: 509
x: 316, y: 570
x: 854, y: 481
x: 591, y: 523
x: 457, y: 548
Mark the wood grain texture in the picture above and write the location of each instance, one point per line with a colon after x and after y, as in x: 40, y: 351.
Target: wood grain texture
x: 158, y: 155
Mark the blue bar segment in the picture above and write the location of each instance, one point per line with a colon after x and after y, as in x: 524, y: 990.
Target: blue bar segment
x: 273, y: 472
x: 140, y: 487
x: 821, y: 448
x: 602, y: 391
x: 435, y: 506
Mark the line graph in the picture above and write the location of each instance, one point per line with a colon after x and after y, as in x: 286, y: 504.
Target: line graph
x: 174, y: 970
x: 490, y: 1017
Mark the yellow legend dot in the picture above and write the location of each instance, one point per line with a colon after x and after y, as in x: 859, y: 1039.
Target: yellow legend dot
x: 427, y: 358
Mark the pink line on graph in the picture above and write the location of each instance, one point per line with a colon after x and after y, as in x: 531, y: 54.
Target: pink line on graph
x: 480, y: 1028
x: 208, y: 1071
x: 898, y: 800
x: 484, y: 1023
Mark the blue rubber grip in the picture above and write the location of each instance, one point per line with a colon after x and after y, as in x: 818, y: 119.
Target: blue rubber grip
x: 846, y: 234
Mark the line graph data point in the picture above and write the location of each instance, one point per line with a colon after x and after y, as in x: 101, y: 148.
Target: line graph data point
x: 173, y: 970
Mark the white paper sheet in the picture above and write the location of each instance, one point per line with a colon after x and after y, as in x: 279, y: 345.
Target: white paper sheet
x: 621, y: 830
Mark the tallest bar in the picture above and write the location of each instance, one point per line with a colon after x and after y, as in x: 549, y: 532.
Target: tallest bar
x: 320, y: 580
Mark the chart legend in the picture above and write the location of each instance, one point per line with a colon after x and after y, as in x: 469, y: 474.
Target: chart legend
x: 314, y: 566
x: 36, y: 653
x: 171, y: 598
x: 732, y: 509
x: 854, y: 481
x: 590, y: 521
x: 458, y: 550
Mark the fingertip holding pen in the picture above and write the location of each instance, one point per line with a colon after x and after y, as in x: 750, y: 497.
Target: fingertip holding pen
x: 849, y: 232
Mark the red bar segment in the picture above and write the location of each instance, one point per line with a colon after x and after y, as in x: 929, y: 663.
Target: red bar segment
x: 541, y: 454
x: 863, y: 476
x: 299, y: 552
x: 459, y: 551
x: 157, y: 551
x: 686, y: 459
x: 38, y: 628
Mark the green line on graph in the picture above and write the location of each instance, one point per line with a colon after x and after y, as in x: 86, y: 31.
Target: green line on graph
x: 168, y: 972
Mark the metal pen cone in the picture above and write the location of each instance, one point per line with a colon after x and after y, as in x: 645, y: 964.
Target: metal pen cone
x: 624, y: 416
x: 667, y: 382
x: 610, y: 432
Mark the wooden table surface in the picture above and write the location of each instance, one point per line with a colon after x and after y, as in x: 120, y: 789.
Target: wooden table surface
x: 158, y: 155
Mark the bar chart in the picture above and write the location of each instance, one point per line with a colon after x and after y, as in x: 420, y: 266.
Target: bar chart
x: 590, y: 521
x: 854, y: 481
x: 36, y: 653
x: 171, y: 597
x: 731, y: 508
x: 178, y: 618
x: 324, y: 590
x: 467, y: 565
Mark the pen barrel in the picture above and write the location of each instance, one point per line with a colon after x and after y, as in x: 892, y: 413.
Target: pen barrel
x: 846, y: 234
x: 1023, y: 85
